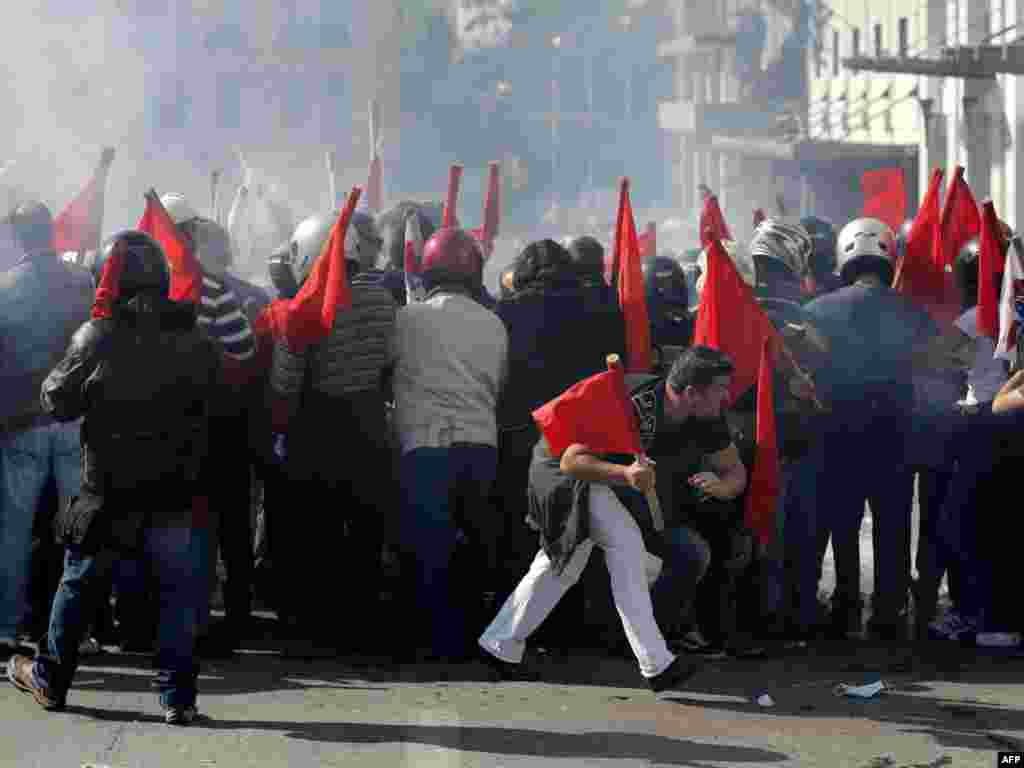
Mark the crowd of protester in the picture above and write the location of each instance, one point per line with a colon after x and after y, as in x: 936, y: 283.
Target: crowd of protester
x: 393, y: 468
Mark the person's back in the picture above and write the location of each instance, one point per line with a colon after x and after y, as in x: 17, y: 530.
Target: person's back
x: 142, y: 377
x: 450, y: 361
x: 42, y: 301
x: 559, y: 332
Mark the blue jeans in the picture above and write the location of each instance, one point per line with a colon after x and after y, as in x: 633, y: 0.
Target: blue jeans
x: 864, y: 461
x: 170, y: 554
x: 799, y: 498
x: 26, y: 461
x: 443, y: 489
x: 687, y: 556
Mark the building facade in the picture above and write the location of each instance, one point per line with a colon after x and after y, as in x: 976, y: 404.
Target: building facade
x: 943, y: 75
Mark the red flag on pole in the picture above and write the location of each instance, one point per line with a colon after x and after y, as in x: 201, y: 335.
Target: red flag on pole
x: 449, y: 217
x: 492, y: 203
x: 765, y: 484
x: 107, y: 290
x: 309, y: 316
x: 959, y: 222
x: 1011, y: 302
x: 712, y: 222
x: 595, y: 412
x: 920, y: 276
x: 885, y: 196
x: 632, y: 297
x: 79, y: 226
x: 991, y: 262
x: 730, y: 320
x: 186, y: 274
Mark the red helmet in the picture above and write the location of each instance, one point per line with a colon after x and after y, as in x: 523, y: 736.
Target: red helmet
x: 452, y: 254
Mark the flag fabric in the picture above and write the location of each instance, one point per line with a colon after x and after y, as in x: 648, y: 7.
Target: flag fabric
x: 492, y: 203
x: 765, y: 478
x: 108, y: 288
x: 990, y: 264
x: 595, y: 412
x: 1011, y: 302
x: 449, y: 217
x: 759, y: 216
x: 958, y: 223
x: 632, y: 296
x: 309, y: 316
x: 885, y: 196
x: 186, y: 274
x: 78, y: 228
x: 413, y: 254
x: 920, y: 277
x: 649, y: 241
x: 730, y: 320
x: 712, y: 222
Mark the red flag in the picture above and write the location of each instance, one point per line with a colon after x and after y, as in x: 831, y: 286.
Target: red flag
x: 990, y: 263
x: 919, y: 276
x: 959, y: 222
x: 1011, y: 302
x: 107, y: 290
x: 632, y: 297
x: 712, y: 222
x: 885, y: 196
x: 79, y: 226
x: 492, y: 203
x: 186, y: 274
x: 595, y: 412
x: 764, y: 488
x: 309, y: 317
x: 759, y: 216
x: 649, y: 241
x: 730, y: 320
x: 449, y: 217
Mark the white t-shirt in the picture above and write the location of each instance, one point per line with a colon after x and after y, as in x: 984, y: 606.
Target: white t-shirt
x: 987, y: 374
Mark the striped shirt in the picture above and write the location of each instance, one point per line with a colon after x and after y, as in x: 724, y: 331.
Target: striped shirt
x: 220, y: 316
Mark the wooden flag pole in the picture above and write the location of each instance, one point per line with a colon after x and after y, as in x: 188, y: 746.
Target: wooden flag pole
x: 614, y: 362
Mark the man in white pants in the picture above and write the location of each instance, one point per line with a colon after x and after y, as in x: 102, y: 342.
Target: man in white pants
x: 574, y: 501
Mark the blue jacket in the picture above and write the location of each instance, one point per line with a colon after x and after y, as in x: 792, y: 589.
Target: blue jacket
x: 43, y: 301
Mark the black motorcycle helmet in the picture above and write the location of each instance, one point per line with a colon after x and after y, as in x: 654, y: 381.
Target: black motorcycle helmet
x: 664, y: 281
x: 587, y: 255
x: 965, y: 272
x: 823, y: 236
x: 32, y: 226
x: 144, y: 267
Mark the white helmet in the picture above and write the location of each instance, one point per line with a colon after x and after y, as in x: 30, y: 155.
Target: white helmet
x: 362, y: 243
x: 786, y: 242
x: 741, y: 259
x: 864, y: 240
x: 178, y: 208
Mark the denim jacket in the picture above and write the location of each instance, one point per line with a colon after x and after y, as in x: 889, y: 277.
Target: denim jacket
x: 43, y: 301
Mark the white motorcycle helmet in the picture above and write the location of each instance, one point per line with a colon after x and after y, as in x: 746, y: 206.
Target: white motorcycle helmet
x: 289, y: 269
x: 865, y: 244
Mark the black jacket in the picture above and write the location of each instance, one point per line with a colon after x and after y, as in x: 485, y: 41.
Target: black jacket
x: 143, y: 381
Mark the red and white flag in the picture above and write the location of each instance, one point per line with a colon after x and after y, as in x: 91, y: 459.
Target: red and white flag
x: 1011, y: 302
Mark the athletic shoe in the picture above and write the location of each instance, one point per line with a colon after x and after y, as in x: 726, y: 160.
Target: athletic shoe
x: 180, y: 715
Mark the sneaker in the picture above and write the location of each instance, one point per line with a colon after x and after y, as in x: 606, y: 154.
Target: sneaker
x: 677, y: 673
x: 953, y: 626
x: 506, y: 670
x: 19, y: 672
x: 180, y: 715
x: 998, y: 639
x: 90, y: 647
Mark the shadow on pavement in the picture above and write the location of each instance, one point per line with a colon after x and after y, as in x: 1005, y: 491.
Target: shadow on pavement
x: 503, y: 741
